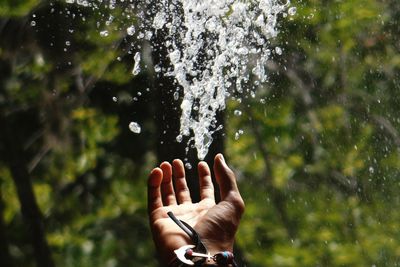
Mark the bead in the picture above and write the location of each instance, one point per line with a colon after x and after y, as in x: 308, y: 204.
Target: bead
x: 189, y: 252
x: 224, y: 257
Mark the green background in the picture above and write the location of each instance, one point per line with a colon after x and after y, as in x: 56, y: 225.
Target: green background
x: 318, y: 163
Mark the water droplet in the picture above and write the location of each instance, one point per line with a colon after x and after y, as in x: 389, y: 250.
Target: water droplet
x: 130, y: 30
x: 148, y: 35
x: 237, y: 112
x: 115, y: 99
x: 176, y: 96
x: 135, y: 127
x: 157, y: 68
x: 112, y: 4
x: 188, y: 166
x: 136, y: 67
x: 292, y: 11
x: 159, y: 20
x: 179, y: 138
x: 67, y: 43
x: 104, y: 33
x: 33, y: 23
x: 371, y: 170
x: 238, y: 134
x: 278, y: 50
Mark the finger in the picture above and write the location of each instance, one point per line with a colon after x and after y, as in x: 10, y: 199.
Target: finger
x: 206, y: 185
x: 167, y: 188
x: 182, y: 190
x: 225, y: 177
x: 154, y: 200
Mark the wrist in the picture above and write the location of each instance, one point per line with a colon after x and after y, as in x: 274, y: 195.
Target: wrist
x: 217, y: 257
x: 207, y: 263
x: 214, y: 247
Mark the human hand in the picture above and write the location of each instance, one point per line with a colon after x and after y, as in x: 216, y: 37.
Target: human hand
x: 216, y: 224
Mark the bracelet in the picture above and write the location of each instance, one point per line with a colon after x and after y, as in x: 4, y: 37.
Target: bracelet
x: 208, y: 263
x: 197, y: 255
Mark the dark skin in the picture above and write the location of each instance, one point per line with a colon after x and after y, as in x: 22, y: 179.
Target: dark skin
x: 215, y: 223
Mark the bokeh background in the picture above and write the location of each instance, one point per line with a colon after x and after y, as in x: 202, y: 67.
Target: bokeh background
x: 318, y: 161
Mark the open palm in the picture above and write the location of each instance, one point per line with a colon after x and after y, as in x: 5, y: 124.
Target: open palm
x: 215, y: 223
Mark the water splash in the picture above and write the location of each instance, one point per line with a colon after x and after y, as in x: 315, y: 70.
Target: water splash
x: 217, y: 49
x: 212, y: 44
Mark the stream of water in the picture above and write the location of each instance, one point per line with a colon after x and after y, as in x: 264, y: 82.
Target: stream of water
x: 217, y: 50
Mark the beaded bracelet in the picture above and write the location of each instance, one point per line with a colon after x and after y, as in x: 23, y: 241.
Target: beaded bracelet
x: 197, y: 255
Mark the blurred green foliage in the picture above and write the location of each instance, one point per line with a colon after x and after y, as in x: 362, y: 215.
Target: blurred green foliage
x: 318, y: 163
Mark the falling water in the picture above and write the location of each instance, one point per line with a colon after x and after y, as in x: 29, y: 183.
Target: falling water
x: 217, y: 49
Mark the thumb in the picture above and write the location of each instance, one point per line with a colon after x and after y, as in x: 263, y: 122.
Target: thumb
x: 225, y: 177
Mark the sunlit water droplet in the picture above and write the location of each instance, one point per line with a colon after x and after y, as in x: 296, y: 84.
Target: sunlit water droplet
x: 278, y: 50
x: 237, y: 112
x: 188, y: 166
x: 157, y: 69
x: 136, y: 67
x: 371, y: 170
x: 140, y: 35
x: 130, y: 30
x: 82, y: 2
x: 104, y: 33
x: 292, y: 11
x: 135, y: 127
x: 115, y: 99
x: 176, y: 96
x: 238, y: 134
x: 112, y: 4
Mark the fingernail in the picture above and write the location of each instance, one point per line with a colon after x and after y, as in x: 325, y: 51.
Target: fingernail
x: 153, y: 171
x: 222, y: 158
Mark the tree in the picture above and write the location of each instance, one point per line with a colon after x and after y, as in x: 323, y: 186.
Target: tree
x: 321, y: 136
